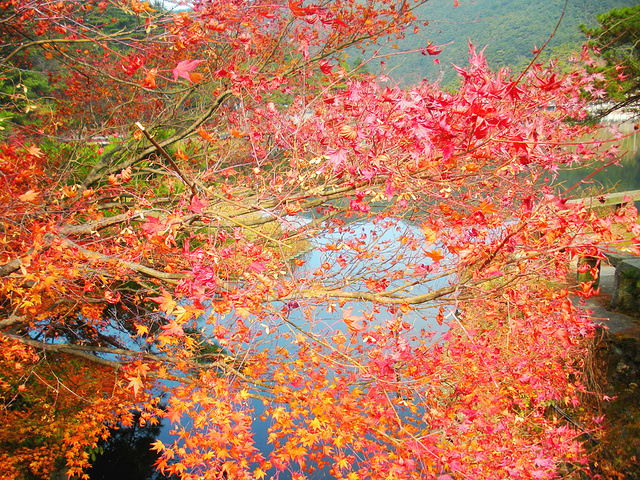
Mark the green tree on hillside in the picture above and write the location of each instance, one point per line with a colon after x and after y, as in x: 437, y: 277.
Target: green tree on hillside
x: 618, y: 40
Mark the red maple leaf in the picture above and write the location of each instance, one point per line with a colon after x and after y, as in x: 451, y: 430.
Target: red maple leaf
x: 133, y: 63
x: 325, y: 67
x: 299, y: 11
x: 431, y: 49
x: 184, y: 67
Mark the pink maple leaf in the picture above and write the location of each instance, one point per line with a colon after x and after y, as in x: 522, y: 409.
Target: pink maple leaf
x: 172, y: 328
x: 153, y: 226
x: 544, y: 462
x: 184, y: 67
x: 258, y: 267
x: 197, y: 205
x: 337, y: 158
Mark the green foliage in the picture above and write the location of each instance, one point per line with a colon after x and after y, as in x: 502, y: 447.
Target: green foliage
x: 618, y: 38
x: 19, y: 90
x: 112, y: 20
x: 25, y: 91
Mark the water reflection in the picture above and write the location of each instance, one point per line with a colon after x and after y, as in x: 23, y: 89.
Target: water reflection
x: 127, y: 454
x: 615, y: 178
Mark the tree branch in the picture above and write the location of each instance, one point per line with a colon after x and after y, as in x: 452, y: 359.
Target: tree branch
x: 96, y: 172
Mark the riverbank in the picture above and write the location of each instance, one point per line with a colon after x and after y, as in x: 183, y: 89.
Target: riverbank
x: 614, y: 375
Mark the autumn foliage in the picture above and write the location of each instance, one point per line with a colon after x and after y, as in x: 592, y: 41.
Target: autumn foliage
x: 157, y: 210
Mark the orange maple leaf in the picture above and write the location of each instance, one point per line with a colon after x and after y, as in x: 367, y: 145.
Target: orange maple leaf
x: 486, y: 207
x: 352, y: 320
x: 29, y: 196
x: 141, y: 369
x: 35, y: 151
x: 434, y: 255
x: 134, y: 383
x: 173, y: 414
x: 172, y: 328
x: 205, y: 135
x: 165, y: 302
x: 141, y: 329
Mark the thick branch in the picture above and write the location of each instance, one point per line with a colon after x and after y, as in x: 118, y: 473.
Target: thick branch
x: 13, y: 265
x: 381, y: 298
x: 10, y: 267
x: 136, y: 267
x: 88, y: 352
x: 88, y: 228
x: 12, y: 320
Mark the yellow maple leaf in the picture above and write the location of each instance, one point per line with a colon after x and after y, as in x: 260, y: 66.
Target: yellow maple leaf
x: 158, y: 446
x: 141, y: 329
x: 182, y: 314
x: 243, y: 312
x: 430, y: 236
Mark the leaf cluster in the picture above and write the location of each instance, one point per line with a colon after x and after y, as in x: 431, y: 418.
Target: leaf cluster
x: 421, y: 331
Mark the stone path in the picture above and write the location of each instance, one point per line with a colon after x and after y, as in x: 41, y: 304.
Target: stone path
x: 599, y: 306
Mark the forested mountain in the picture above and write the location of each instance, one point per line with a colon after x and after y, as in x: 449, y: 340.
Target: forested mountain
x: 509, y: 29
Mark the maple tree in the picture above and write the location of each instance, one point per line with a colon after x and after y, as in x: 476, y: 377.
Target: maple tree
x: 156, y: 211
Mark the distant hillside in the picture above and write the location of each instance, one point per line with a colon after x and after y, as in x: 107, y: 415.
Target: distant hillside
x: 508, y: 28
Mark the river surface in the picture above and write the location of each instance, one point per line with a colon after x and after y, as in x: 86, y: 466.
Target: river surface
x: 388, y: 239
